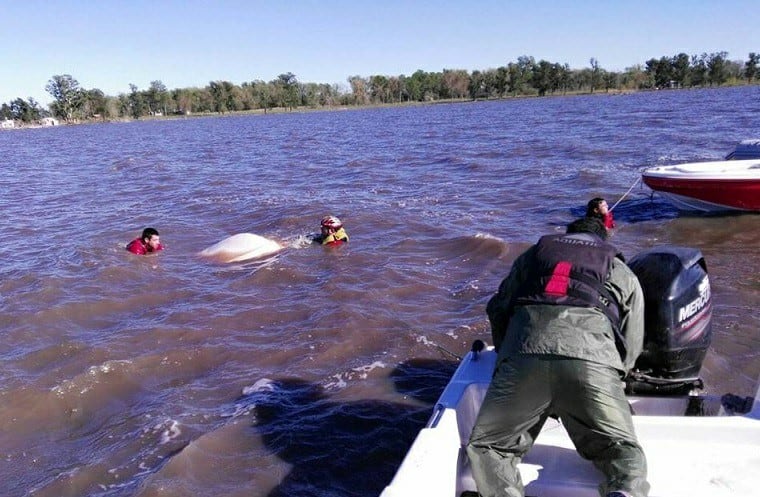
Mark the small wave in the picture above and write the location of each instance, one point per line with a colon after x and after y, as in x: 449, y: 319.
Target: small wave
x: 93, y: 376
x: 488, y: 236
x: 170, y: 431
x: 262, y: 385
x: 300, y: 241
x: 340, y: 381
x: 422, y: 339
x: 467, y: 290
x: 364, y: 370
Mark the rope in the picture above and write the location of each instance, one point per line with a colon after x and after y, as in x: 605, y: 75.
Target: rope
x: 626, y: 193
x: 458, y: 358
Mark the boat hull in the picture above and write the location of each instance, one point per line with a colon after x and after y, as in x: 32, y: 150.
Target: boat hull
x: 241, y: 247
x: 709, y: 186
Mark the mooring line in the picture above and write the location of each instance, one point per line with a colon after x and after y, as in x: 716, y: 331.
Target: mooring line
x: 626, y: 193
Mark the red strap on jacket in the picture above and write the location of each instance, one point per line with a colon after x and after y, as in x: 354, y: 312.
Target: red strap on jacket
x: 560, y: 279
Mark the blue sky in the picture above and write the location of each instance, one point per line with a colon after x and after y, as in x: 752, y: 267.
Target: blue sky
x: 108, y: 44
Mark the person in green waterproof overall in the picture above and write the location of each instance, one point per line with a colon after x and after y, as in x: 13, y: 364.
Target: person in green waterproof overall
x: 568, y: 324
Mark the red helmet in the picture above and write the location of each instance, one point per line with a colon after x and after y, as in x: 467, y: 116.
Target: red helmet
x: 331, y: 222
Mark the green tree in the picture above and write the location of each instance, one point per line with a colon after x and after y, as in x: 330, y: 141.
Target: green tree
x: 520, y: 74
x: 698, y: 73
x: 563, y: 77
x: 235, y: 97
x: 289, y: 84
x: 543, y: 77
x: 25, y: 111
x: 477, y: 86
x: 610, y: 79
x: 433, y: 86
x: 596, y: 74
x: 581, y: 80
x: 498, y: 81
x: 67, y: 94
x: 379, y: 90
x: 221, y: 94
x: 112, y: 108
x: 157, y: 98
x: 205, y: 99
x: 660, y: 72
x: 93, y: 103
x: 124, y: 107
x: 717, y: 68
x: 417, y: 85
x: 680, y: 69
x: 634, y: 78
x: 248, y: 95
x: 750, y: 67
x: 260, y: 94
x: 424, y: 86
x: 266, y: 96
x: 136, y: 102
x: 734, y: 71
x: 312, y: 95
x: 185, y: 100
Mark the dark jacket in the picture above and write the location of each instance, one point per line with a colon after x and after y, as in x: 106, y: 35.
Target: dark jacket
x: 570, y: 331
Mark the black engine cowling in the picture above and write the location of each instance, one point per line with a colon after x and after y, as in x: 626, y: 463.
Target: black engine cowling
x: 678, y: 312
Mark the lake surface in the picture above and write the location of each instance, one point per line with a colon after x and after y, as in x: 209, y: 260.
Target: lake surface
x: 309, y: 373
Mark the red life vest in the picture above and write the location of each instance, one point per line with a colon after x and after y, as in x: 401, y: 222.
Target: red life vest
x: 609, y: 221
x: 137, y: 246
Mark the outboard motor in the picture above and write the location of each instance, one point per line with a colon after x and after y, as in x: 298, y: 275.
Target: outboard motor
x: 678, y: 312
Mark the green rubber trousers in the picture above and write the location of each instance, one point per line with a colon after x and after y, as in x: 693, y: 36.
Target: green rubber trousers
x: 587, y: 397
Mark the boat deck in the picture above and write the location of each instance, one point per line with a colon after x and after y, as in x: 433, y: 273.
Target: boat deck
x: 687, y: 456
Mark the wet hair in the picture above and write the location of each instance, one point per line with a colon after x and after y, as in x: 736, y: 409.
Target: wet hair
x: 593, y: 205
x: 588, y: 225
x: 148, y: 233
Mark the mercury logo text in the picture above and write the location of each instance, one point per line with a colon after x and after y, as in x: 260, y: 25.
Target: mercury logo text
x: 698, y: 303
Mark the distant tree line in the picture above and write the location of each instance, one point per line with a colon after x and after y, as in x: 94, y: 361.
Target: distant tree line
x: 525, y: 77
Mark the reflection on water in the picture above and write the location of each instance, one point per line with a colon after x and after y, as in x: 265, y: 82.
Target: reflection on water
x: 123, y: 375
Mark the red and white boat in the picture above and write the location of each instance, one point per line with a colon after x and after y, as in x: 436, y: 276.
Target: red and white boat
x: 729, y: 185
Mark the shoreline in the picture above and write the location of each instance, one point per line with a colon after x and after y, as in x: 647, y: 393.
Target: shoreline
x: 341, y: 108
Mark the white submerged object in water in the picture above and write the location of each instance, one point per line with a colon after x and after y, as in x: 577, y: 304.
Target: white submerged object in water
x: 688, y: 455
x: 241, y: 247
